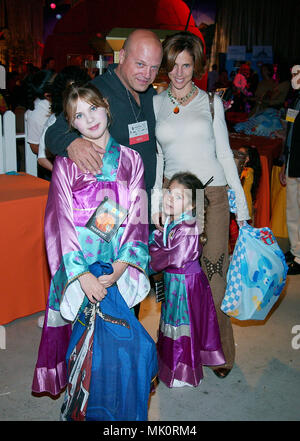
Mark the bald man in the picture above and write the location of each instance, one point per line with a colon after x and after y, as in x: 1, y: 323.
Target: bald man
x: 290, y: 176
x: 127, y: 86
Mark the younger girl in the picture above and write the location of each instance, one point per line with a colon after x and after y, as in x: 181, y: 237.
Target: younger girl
x: 189, y: 333
x: 107, y: 377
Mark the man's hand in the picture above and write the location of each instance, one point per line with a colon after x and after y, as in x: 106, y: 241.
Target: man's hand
x: 93, y: 289
x: 86, y: 155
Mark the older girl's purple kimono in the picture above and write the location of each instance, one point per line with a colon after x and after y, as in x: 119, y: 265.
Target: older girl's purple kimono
x: 189, y: 332
x: 71, y: 247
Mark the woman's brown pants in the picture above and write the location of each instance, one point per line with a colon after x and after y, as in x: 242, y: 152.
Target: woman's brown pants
x: 214, y: 261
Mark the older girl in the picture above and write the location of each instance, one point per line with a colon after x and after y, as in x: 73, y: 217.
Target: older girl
x: 85, y: 268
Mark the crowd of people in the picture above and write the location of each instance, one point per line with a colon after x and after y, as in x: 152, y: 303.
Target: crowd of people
x: 112, y: 145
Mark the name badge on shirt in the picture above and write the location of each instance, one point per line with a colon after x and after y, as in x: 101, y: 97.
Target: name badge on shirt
x: 138, y: 132
x: 291, y: 115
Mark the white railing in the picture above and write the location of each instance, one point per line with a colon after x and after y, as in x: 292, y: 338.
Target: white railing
x: 8, y: 146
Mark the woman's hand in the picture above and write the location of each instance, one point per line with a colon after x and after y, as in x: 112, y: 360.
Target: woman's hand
x: 92, y: 287
x: 108, y: 280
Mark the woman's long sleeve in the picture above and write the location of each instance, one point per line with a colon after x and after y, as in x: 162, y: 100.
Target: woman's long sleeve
x: 225, y: 157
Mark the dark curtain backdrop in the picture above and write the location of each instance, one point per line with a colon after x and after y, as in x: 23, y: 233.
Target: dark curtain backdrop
x: 258, y: 23
x: 24, y: 20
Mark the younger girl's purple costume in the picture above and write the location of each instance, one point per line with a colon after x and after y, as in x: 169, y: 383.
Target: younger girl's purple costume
x: 189, y: 332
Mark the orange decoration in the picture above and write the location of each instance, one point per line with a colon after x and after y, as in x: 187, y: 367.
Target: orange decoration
x: 176, y: 110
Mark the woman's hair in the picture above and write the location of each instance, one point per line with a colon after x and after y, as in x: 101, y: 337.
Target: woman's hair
x: 173, y: 45
x: 69, y: 74
x: 87, y: 92
x: 37, y: 85
x: 191, y: 182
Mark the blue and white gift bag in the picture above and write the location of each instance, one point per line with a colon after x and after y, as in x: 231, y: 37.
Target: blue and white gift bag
x: 231, y: 200
x: 256, y: 275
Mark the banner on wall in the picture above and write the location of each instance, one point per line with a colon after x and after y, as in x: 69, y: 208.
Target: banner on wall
x: 262, y: 54
x: 236, y: 53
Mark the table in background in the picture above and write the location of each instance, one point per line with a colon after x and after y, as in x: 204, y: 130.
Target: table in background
x: 268, y: 149
x: 25, y: 276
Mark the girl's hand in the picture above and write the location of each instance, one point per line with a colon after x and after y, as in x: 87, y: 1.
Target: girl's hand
x: 92, y: 287
x: 108, y: 280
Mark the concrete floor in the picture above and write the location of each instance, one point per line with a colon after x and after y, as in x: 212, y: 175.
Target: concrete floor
x: 264, y: 384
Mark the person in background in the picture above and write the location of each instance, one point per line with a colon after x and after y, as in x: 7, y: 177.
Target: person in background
x: 223, y: 81
x: 193, y: 137
x: 49, y: 64
x: 276, y: 97
x: 212, y: 78
x: 290, y: 176
x: 264, y: 88
x: 62, y: 80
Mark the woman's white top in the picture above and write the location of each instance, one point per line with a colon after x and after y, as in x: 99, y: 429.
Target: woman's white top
x: 191, y: 141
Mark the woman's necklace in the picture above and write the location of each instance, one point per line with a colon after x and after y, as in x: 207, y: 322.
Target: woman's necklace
x: 180, y: 101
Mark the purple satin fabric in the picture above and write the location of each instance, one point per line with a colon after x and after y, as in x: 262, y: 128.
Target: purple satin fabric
x: 72, y: 192
x: 188, y: 268
x: 182, y: 358
x: 50, y: 374
x: 182, y: 247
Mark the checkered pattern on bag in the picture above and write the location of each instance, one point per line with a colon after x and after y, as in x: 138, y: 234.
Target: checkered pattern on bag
x: 234, y: 280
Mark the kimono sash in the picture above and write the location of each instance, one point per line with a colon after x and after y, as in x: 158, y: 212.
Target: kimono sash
x: 188, y: 268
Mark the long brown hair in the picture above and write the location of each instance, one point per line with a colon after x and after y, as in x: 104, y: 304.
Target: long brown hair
x: 87, y: 92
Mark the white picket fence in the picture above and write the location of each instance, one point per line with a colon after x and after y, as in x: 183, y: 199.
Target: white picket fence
x: 8, y: 146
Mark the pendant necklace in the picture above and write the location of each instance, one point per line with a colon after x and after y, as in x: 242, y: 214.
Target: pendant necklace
x: 180, y: 101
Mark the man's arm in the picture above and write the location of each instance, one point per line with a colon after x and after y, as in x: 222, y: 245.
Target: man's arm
x: 60, y: 140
